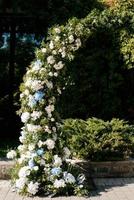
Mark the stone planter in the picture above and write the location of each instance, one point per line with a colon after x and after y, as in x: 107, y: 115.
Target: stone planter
x: 107, y: 169
x: 91, y: 169
x: 5, y: 167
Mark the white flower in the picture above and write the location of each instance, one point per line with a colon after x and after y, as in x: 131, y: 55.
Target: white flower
x: 40, y: 143
x: 50, y: 60
x: 72, y: 162
x: 20, y: 183
x: 36, y: 85
x: 59, y: 65
x: 57, y: 30
x: 35, y: 168
x: 52, y: 119
x: 78, y: 43
x: 33, y: 188
x: 66, y: 152
x: 49, y: 109
x: 49, y: 84
x: 25, y: 117
x: 47, y: 129
x: 21, y: 95
x: 57, y: 161
x: 21, y: 148
x: 43, y: 50
x: 31, y: 147
x: 24, y: 172
x: 59, y: 90
x: 21, y: 139
x: 57, y: 38
x: 54, y: 52
x: 51, y: 45
x: 59, y: 183
x: 71, y: 39
x: 26, y: 92
x: 33, y: 128
x: 50, y: 74
x: 55, y: 74
x: 50, y: 143
x: 36, y: 115
x: 42, y: 162
x: 28, y: 82
x: 22, y: 158
x: 69, y: 178
x: 63, y: 54
x: 11, y: 154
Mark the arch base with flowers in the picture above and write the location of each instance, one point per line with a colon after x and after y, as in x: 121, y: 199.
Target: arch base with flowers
x: 43, y: 164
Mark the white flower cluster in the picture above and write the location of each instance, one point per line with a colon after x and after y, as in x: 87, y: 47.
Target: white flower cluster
x: 39, y: 136
x: 11, y: 154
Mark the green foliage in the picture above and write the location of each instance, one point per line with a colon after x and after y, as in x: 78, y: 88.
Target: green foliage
x: 99, y: 140
x: 100, y: 72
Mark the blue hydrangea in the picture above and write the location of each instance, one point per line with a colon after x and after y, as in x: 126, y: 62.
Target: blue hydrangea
x: 56, y: 171
x: 31, y: 163
x: 38, y: 95
x: 40, y: 152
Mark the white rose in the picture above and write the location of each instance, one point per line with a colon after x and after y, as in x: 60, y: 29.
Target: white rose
x: 20, y: 183
x: 31, y: 147
x: 59, y: 183
x: 33, y: 128
x: 50, y: 60
x: 25, y: 117
x: 36, y: 115
x: 40, y: 143
x: 24, y: 171
x: 50, y: 143
x: 57, y: 30
x: 57, y: 38
x: 71, y: 39
x: 57, y: 161
x: 33, y: 188
x: 55, y: 74
x: 26, y: 92
x: 43, y: 50
x: 50, y: 74
x: 59, y: 65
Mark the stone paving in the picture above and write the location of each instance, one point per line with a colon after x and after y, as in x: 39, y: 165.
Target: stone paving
x: 106, y: 189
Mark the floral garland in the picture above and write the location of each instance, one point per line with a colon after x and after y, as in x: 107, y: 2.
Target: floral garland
x: 43, y: 164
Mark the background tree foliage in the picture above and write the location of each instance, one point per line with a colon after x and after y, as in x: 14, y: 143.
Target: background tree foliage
x: 102, y: 71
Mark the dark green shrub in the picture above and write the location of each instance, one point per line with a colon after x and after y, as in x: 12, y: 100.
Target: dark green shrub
x: 98, y: 140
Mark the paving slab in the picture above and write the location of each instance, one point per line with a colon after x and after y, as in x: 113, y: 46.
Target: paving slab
x: 106, y: 189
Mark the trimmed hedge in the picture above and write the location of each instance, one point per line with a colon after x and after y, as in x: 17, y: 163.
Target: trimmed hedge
x: 99, y: 140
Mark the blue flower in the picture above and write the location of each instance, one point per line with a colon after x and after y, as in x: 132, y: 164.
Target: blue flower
x: 40, y: 152
x: 56, y: 171
x: 31, y: 163
x: 38, y: 95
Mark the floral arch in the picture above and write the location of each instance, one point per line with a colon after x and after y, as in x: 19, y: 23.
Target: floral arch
x: 42, y: 162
